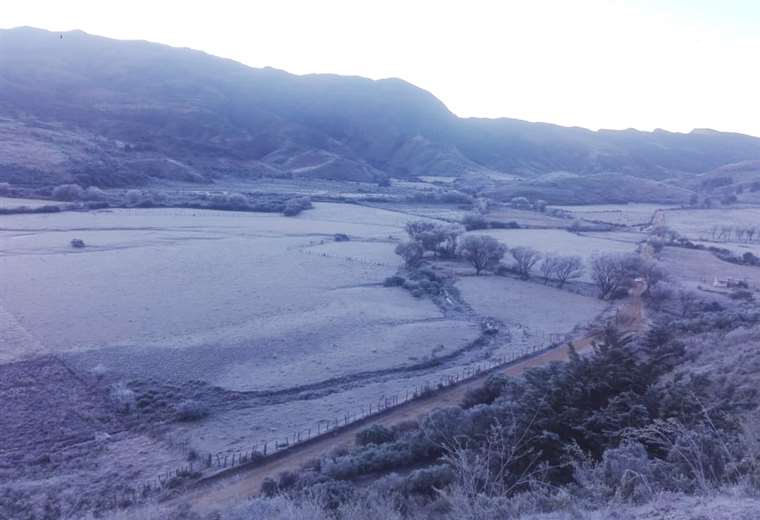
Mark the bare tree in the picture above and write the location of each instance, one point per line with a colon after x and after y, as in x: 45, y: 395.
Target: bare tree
x: 549, y: 266
x: 526, y: 258
x: 607, y: 272
x: 482, y: 251
x: 568, y: 268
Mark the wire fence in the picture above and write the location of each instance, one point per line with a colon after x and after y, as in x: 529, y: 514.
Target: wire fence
x: 262, y: 451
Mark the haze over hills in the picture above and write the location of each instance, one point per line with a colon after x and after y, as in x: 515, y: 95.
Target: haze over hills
x: 112, y: 113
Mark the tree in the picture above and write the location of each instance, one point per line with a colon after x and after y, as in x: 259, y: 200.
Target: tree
x: 568, y: 268
x: 473, y: 221
x: 482, y: 251
x: 526, y: 258
x: 449, y: 234
x: 549, y: 266
x: 411, y: 252
x: 607, y: 272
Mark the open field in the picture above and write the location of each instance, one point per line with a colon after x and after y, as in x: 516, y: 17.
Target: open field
x: 692, y: 267
x: 223, y: 297
x: 12, y: 203
x: 533, y: 306
x: 696, y: 224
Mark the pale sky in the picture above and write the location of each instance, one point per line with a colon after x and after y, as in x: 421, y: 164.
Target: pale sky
x: 673, y: 64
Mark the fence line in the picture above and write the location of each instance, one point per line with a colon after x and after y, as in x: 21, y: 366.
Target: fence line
x: 260, y: 451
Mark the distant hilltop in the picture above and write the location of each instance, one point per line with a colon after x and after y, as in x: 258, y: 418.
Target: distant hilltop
x: 99, y: 111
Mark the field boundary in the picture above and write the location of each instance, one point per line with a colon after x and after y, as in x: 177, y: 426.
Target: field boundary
x: 229, y: 464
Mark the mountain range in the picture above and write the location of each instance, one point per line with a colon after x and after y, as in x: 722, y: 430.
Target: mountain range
x: 81, y: 108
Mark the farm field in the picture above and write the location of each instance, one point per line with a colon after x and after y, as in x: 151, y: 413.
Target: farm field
x: 13, y: 202
x: 222, y: 297
x: 618, y: 214
x: 536, y: 308
x: 693, y: 268
x: 696, y: 224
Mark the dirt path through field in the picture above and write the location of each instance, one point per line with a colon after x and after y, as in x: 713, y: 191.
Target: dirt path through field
x: 246, y: 483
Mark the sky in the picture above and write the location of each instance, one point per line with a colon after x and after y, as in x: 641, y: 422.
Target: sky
x: 645, y: 64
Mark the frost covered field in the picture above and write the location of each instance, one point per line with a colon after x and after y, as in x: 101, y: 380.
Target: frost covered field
x: 234, y: 299
x: 697, y: 224
x: 539, y: 309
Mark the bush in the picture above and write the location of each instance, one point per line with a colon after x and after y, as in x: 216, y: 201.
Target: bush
x: 473, y: 221
x: 77, y: 243
x: 269, y: 487
x: 411, y: 252
x: 394, y: 281
x: 122, y: 397
x: 68, y: 192
x: 190, y: 410
x: 134, y: 196
x: 94, y: 193
x: 375, y: 434
x: 296, y: 205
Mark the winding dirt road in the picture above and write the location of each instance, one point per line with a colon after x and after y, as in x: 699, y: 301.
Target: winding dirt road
x: 246, y: 483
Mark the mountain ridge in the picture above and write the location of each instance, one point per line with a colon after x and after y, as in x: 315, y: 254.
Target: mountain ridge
x: 95, y: 110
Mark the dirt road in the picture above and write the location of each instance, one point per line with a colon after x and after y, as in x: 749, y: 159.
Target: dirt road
x: 245, y: 484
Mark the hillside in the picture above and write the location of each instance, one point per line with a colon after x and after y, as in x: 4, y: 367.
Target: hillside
x: 100, y: 111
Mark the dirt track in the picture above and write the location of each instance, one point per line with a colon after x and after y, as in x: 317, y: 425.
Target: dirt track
x: 241, y: 486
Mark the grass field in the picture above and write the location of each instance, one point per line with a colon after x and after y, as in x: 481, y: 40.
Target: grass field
x: 12, y: 203
x: 219, y: 296
x: 696, y: 224
x: 532, y: 306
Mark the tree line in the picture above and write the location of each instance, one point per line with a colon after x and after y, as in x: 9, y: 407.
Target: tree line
x: 612, y: 273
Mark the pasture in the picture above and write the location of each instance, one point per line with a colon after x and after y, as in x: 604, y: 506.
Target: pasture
x: 537, y: 308
x: 231, y: 298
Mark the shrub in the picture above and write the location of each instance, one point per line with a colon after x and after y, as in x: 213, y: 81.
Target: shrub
x: 190, y: 410
x: 394, y: 281
x: 411, y: 252
x: 77, y: 243
x: 68, y: 192
x: 296, y: 205
x: 133, y: 196
x: 94, y: 193
x: 237, y: 201
x: 427, y: 481
x: 375, y: 434
x: 269, y: 487
x: 473, y: 221
x: 122, y: 397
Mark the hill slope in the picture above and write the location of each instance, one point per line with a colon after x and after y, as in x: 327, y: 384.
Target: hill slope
x: 100, y: 111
